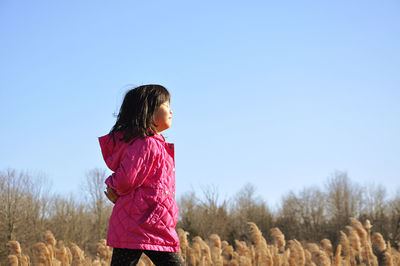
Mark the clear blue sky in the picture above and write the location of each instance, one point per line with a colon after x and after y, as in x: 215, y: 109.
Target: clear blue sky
x: 280, y: 94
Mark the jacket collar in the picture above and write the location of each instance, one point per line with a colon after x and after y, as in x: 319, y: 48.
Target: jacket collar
x: 159, y: 137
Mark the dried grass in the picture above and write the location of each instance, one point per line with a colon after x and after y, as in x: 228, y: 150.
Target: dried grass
x: 357, y: 247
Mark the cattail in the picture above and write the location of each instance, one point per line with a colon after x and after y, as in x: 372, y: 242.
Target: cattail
x: 354, y: 240
x: 146, y: 260
x: 256, y: 235
x: 379, y: 247
x: 140, y: 263
x: 78, y: 254
x: 244, y: 253
x: 322, y: 259
x: 87, y: 261
x: 368, y: 254
x: 234, y: 263
x: 318, y: 255
x: 235, y: 256
x: 362, y: 233
x: 51, y: 244
x: 244, y: 261
x: 215, y: 241
x: 262, y: 254
x: 191, y: 258
x: 368, y: 226
x: 308, y: 257
x: 293, y: 252
x: 345, y: 243
x: 241, y: 248
x: 184, y: 244
x: 327, y: 246
x: 195, y: 252
x: 50, y: 239
x: 216, y: 250
x: 355, y: 245
x: 227, y: 254
x: 286, y: 257
x: 300, y: 253
x: 69, y: 254
x: 338, y: 258
x: 388, y: 259
x: 267, y: 258
x: 23, y: 260
x: 253, y: 254
x: 207, y: 253
x: 15, y: 247
x: 378, y: 242
x: 224, y: 243
x: 96, y: 262
x: 13, y: 260
x: 276, y: 257
x: 395, y: 256
x: 61, y: 254
x: 203, y: 261
x: 104, y: 251
x: 313, y: 248
x: 230, y: 257
x: 205, y: 250
x: 41, y: 254
x: 291, y: 260
x: 279, y: 238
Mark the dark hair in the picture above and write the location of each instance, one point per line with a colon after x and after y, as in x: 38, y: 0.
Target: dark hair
x: 135, y: 117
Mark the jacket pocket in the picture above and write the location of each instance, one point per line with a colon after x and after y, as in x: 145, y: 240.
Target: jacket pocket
x: 157, y: 219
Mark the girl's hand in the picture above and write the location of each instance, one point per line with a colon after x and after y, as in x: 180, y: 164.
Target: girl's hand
x: 111, y: 194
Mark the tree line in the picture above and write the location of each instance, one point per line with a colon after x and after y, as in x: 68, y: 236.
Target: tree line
x: 28, y: 208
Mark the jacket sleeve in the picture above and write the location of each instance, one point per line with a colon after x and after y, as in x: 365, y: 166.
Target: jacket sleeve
x: 134, y: 168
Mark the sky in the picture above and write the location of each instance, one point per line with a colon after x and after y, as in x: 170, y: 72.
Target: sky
x: 278, y: 94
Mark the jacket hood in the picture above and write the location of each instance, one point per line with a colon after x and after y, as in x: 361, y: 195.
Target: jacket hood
x: 114, y: 150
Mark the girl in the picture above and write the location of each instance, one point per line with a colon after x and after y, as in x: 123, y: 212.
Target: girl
x: 143, y: 183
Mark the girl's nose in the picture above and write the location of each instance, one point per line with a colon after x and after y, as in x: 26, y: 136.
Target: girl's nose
x: 170, y: 111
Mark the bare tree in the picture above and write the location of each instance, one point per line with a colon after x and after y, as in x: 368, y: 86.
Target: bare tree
x: 375, y: 208
x: 93, y: 187
x: 12, y: 188
x: 344, y: 198
x: 70, y: 220
x: 23, y: 207
x: 247, y: 207
x: 394, y: 218
x: 302, y: 216
x: 187, y: 212
x: 289, y: 216
x: 203, y: 216
x: 23, y: 204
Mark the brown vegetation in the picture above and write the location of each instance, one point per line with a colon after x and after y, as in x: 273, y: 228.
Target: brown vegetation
x: 313, y: 225
x: 360, y: 249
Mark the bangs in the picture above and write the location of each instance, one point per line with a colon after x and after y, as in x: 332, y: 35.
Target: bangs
x: 163, y: 96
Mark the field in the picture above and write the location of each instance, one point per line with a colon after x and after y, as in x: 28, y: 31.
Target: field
x: 357, y: 246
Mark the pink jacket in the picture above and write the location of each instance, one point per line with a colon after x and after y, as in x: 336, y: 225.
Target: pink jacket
x: 145, y: 215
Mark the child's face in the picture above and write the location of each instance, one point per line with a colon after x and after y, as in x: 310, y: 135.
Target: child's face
x: 163, y: 117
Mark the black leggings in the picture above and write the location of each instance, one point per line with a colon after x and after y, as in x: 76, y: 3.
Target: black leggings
x: 130, y: 257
